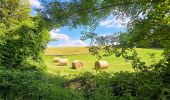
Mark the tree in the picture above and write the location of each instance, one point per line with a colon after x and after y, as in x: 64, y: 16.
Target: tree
x: 22, y: 37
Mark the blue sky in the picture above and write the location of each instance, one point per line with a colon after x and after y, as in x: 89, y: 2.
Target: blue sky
x: 67, y: 37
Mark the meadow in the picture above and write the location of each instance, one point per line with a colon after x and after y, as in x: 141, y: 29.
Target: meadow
x: 82, y: 53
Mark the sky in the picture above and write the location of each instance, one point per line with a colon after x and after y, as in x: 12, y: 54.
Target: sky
x: 71, y: 37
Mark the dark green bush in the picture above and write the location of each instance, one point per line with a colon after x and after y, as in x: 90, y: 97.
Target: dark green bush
x: 120, y: 86
x: 104, y: 85
x: 33, y: 86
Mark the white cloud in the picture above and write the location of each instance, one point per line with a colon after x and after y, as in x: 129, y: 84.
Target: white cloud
x: 74, y: 43
x: 115, y: 22
x: 56, y: 35
x: 35, y: 4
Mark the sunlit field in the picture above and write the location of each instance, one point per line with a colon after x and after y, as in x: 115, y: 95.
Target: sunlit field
x: 81, y: 53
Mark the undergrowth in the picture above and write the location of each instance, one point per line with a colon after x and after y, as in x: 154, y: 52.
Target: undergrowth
x: 32, y: 85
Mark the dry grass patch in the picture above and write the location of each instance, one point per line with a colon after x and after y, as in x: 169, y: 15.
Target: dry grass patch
x: 66, y: 51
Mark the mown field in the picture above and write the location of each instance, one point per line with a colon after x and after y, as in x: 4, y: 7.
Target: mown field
x: 81, y: 53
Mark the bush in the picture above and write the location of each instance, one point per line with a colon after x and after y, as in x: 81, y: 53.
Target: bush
x: 120, y: 86
x: 33, y: 86
x: 24, y: 44
x: 103, y: 85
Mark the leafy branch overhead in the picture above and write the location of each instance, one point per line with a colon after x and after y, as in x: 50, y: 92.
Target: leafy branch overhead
x: 149, y: 21
x: 152, y: 14
x: 89, y: 12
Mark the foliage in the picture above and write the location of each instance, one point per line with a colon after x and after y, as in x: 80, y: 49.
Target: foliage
x: 22, y: 37
x: 24, y: 42
x: 13, y: 12
x: 120, y: 86
x: 32, y: 85
x: 15, y: 84
x: 124, y: 40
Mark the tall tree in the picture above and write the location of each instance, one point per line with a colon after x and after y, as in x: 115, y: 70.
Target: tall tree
x: 22, y: 37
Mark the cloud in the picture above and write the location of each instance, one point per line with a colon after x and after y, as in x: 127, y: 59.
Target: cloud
x: 35, y: 4
x: 56, y: 35
x: 74, y: 43
x: 115, y: 22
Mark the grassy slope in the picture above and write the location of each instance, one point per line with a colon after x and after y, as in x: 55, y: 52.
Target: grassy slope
x: 81, y: 53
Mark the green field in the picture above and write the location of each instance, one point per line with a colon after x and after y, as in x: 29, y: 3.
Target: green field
x: 81, y: 53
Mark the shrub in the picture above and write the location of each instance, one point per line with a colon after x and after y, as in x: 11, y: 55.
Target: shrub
x: 120, y: 86
x: 23, y: 45
x: 103, y: 85
x: 33, y: 85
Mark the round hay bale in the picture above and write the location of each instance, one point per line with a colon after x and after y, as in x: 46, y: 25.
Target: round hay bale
x: 77, y: 64
x: 63, y: 62
x: 56, y: 59
x: 101, y: 65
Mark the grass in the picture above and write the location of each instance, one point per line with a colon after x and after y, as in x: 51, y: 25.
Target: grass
x: 81, y: 53
x: 66, y: 51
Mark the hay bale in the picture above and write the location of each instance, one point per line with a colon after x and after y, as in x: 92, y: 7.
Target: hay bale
x: 76, y: 64
x: 63, y: 62
x: 101, y: 65
x: 56, y: 59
